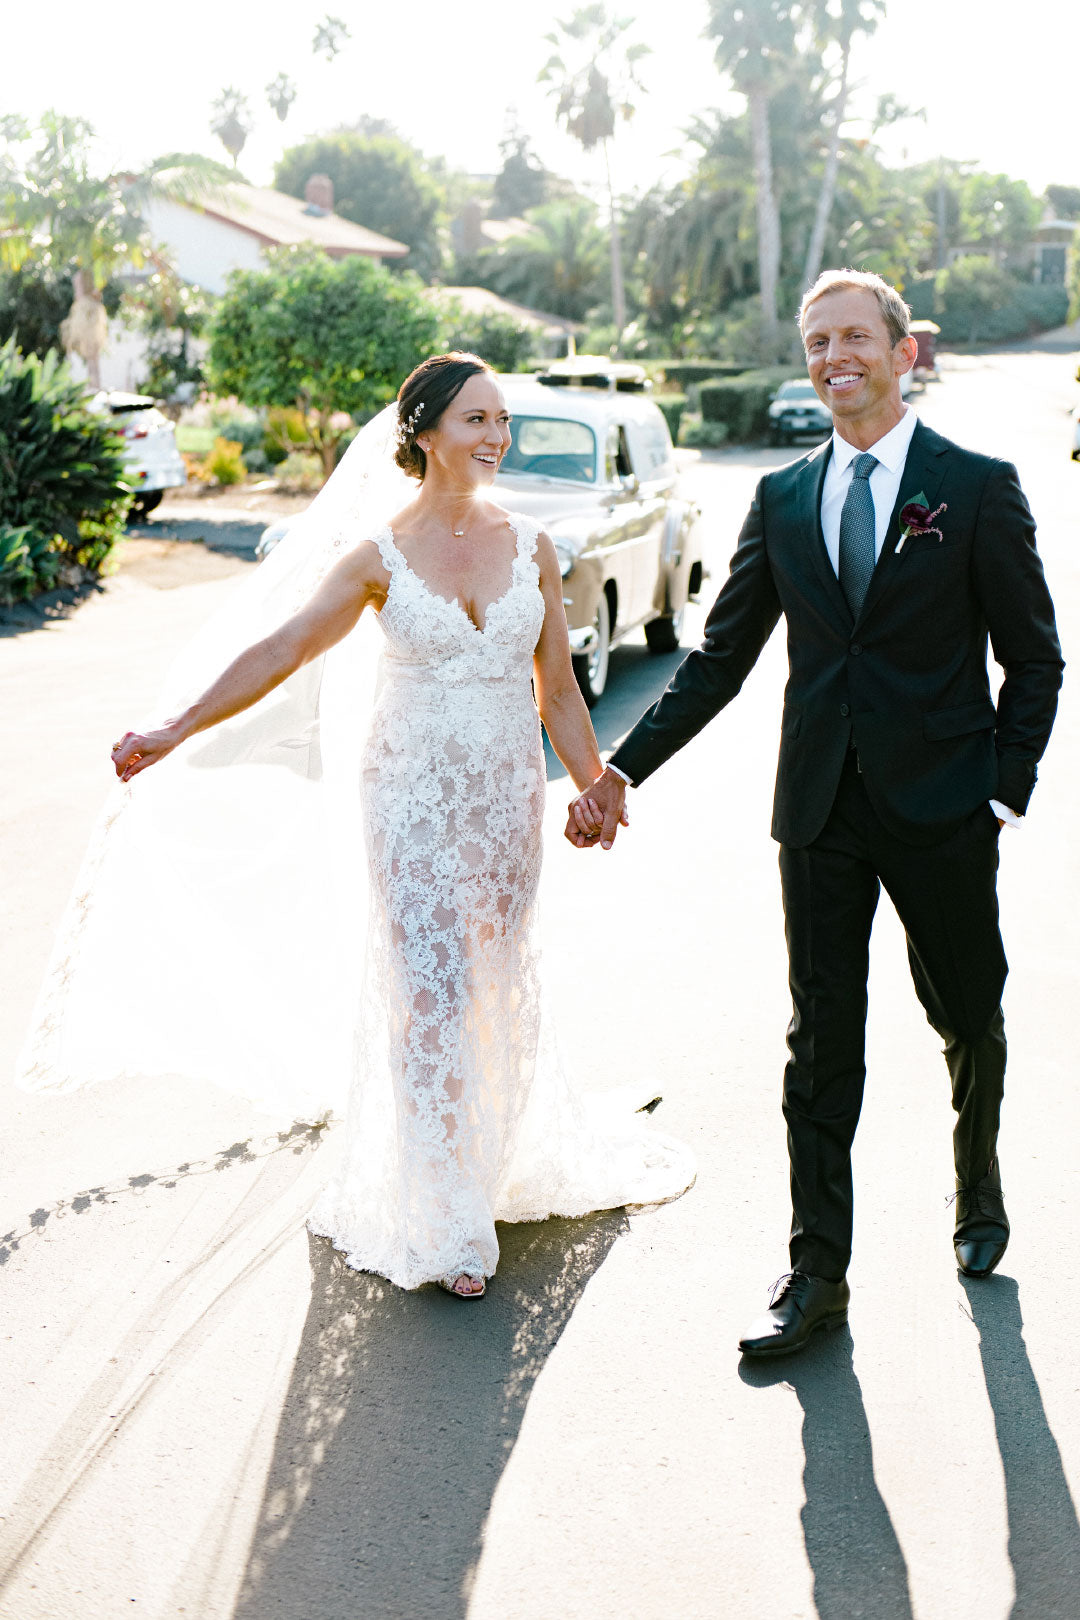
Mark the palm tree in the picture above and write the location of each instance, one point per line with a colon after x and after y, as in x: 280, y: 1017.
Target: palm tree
x: 835, y: 22
x: 281, y: 93
x: 592, y: 95
x: 231, y: 121
x: 330, y: 36
x: 755, y: 43
x: 558, y: 267
x: 53, y: 208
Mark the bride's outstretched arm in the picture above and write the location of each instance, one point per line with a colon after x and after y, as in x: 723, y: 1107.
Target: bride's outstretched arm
x: 359, y: 578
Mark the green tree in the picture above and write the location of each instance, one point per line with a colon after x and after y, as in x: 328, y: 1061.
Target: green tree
x: 379, y: 181
x: 559, y: 267
x: 231, y: 121
x: 57, y: 213
x: 1064, y: 201
x: 835, y: 22
x: 593, y: 77
x: 997, y: 215
x: 327, y: 336
x: 755, y: 46
x: 522, y: 181
x: 972, y: 289
x: 170, y: 312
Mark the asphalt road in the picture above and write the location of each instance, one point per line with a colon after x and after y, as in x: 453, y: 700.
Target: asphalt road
x: 206, y: 1414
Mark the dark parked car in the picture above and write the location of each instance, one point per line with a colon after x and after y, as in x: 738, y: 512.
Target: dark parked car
x: 795, y: 411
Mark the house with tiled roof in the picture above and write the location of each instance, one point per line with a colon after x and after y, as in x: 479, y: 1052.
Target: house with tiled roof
x: 231, y: 229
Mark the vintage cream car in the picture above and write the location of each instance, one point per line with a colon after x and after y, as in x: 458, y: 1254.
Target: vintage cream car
x: 592, y: 459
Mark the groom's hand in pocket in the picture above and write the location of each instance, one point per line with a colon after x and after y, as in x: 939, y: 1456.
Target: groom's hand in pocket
x: 596, y: 814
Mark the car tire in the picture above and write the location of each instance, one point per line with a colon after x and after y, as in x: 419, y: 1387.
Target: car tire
x: 149, y: 502
x: 591, y: 669
x: 663, y: 635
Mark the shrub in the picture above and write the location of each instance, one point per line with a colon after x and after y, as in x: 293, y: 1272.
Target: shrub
x: 742, y: 403
x: 300, y: 472
x: 498, y: 339
x: 225, y: 463
x: 697, y: 434
x: 63, y: 498
x: 286, y: 431
x: 682, y: 373
x: 672, y: 406
x: 975, y: 301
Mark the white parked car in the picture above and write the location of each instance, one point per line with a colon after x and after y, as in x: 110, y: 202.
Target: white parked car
x: 153, y: 463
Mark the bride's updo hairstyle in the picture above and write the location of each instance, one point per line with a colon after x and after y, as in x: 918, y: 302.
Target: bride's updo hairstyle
x: 422, y: 399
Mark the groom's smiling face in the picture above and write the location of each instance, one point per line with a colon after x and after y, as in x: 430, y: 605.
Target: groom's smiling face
x: 853, y: 364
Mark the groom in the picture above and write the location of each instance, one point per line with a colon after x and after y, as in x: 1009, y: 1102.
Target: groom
x: 893, y: 554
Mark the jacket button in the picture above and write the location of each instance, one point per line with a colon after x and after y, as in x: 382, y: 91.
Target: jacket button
x: 844, y: 710
x: 855, y: 649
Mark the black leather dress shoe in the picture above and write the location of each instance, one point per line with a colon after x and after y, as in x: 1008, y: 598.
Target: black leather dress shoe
x: 798, y: 1307
x: 982, y: 1226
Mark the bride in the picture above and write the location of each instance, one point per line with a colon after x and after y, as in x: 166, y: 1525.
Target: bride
x: 459, y: 1113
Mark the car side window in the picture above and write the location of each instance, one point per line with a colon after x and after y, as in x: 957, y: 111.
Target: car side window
x: 617, y: 463
x: 650, y: 446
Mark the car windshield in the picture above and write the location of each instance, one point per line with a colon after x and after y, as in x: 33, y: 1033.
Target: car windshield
x: 796, y: 390
x: 551, y: 447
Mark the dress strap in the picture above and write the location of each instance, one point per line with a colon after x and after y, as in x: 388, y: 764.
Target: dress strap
x: 527, y: 529
x: 388, y: 551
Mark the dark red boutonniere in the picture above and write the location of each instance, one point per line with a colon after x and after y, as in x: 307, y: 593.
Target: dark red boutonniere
x: 917, y: 518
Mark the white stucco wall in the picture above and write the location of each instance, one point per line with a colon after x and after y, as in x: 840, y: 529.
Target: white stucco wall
x: 205, y: 249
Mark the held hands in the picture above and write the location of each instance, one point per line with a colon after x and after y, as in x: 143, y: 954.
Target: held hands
x: 596, y: 815
x: 136, y: 750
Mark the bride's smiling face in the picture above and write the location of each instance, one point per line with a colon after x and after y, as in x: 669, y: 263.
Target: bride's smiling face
x: 472, y: 435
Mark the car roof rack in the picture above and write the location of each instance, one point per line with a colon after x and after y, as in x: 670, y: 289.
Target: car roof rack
x: 595, y: 371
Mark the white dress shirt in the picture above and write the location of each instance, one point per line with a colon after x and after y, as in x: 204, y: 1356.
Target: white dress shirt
x: 891, y: 452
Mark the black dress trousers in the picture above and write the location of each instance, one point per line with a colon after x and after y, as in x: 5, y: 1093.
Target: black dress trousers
x: 946, y: 898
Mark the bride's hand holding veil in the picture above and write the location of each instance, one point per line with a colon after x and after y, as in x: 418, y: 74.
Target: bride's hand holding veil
x: 357, y: 580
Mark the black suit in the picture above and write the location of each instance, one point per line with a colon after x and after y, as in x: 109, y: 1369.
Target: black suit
x: 890, y: 749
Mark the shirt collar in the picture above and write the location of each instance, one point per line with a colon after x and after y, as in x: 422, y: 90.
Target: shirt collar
x: 890, y: 450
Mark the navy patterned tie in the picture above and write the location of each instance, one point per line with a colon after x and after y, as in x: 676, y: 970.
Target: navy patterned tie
x: 858, y: 534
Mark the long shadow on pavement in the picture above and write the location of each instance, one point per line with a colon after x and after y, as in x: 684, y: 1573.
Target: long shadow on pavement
x: 403, y: 1411
x: 1044, y: 1535
x: 857, y: 1562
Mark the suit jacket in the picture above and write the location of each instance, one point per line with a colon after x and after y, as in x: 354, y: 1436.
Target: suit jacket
x: 907, y: 682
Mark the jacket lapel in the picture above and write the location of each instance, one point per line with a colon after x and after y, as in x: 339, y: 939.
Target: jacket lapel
x: 923, y: 471
x: 810, y: 481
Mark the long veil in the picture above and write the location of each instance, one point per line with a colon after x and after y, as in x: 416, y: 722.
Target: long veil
x: 213, y: 930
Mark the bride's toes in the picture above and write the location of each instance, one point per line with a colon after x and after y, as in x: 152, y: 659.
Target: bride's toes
x: 464, y: 1286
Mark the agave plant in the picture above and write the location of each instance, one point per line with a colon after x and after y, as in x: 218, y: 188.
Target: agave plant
x: 63, y: 497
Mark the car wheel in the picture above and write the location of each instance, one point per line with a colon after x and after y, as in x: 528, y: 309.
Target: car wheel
x: 663, y: 635
x: 591, y: 669
x: 147, y: 502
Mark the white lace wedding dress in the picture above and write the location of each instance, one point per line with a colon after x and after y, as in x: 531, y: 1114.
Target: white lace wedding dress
x: 213, y: 933
x: 460, y: 1113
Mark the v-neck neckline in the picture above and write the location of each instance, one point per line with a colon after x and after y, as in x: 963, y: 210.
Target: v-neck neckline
x: 453, y: 601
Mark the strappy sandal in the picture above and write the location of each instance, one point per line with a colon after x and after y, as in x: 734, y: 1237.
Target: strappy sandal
x: 447, y: 1285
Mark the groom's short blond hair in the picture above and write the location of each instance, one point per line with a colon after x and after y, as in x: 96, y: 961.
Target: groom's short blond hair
x: 894, y: 312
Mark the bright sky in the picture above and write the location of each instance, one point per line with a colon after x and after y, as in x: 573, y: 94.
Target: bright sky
x: 1001, y: 93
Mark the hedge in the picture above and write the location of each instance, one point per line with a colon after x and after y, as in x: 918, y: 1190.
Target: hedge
x: 672, y: 406
x: 682, y: 373
x: 742, y: 403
